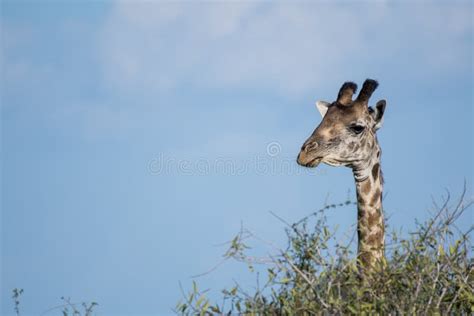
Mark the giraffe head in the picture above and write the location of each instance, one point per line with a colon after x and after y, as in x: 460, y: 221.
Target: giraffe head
x: 346, y: 135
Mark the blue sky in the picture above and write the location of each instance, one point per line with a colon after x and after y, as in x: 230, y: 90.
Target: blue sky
x: 96, y: 97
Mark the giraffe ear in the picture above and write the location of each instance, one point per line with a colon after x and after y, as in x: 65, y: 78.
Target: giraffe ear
x: 377, y: 113
x: 322, y: 107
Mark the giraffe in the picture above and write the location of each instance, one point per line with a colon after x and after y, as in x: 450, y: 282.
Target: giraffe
x: 346, y: 136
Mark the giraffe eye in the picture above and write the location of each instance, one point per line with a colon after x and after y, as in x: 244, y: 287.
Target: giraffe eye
x: 357, y: 128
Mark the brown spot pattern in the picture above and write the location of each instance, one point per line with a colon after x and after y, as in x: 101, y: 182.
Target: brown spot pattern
x: 374, y: 218
x: 375, y: 240
x: 361, y: 233
x: 375, y: 198
x: 366, y: 187
x: 365, y: 259
x: 375, y: 171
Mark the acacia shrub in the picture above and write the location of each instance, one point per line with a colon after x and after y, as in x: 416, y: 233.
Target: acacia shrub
x: 428, y: 271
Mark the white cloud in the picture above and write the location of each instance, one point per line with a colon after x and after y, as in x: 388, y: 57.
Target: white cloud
x: 151, y: 52
x: 285, y: 47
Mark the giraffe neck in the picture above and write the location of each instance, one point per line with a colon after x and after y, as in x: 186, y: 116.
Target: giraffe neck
x: 370, y: 221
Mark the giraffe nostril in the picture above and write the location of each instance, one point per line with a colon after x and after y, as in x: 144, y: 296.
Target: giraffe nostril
x: 309, y: 146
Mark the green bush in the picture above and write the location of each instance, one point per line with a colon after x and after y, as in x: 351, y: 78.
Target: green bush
x: 428, y: 272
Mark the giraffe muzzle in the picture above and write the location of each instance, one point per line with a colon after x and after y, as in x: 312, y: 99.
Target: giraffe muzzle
x: 305, y: 161
x: 307, y: 157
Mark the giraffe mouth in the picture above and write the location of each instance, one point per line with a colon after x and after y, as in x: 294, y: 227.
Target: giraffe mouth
x: 305, y: 161
x: 313, y: 163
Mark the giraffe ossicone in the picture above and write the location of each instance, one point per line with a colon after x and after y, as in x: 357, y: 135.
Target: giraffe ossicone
x: 347, y: 137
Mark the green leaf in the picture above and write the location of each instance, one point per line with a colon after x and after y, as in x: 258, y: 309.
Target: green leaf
x: 205, y: 307
x: 201, y: 299
x: 352, y: 309
x: 441, y: 250
x: 285, y: 280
